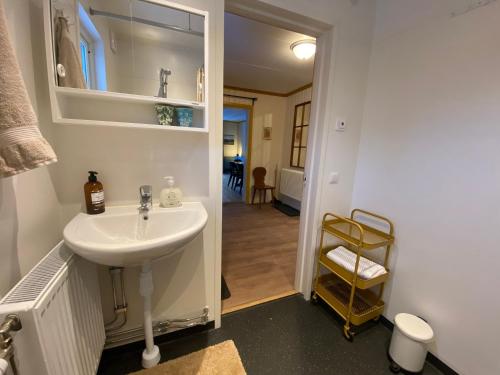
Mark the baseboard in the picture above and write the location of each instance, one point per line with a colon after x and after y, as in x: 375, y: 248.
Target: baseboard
x: 431, y: 358
x: 258, y: 302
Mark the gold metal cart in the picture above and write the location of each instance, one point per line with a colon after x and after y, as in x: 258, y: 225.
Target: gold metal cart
x: 349, y: 295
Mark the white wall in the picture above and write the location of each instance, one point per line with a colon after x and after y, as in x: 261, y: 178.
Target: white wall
x: 29, y: 210
x: 429, y: 160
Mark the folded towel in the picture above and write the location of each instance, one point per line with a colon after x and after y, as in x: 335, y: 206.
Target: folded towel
x: 347, y: 259
x: 68, y: 56
x: 22, y: 147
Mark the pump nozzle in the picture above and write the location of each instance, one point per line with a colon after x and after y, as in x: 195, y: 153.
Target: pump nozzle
x: 170, y: 180
x: 92, y: 176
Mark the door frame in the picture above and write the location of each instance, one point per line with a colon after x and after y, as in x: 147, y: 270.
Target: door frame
x: 309, y: 228
x: 248, y: 164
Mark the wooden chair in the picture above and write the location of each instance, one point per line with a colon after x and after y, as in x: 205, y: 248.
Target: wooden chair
x: 232, y: 173
x: 259, y: 177
x: 238, y: 178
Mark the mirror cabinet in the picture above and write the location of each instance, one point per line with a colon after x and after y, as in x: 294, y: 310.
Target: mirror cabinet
x: 131, y: 63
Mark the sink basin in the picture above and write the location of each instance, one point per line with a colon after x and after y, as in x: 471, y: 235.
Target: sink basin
x: 121, y: 237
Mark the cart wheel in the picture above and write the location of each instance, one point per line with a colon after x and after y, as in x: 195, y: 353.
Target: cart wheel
x: 314, y: 299
x: 394, y: 367
x: 348, y: 334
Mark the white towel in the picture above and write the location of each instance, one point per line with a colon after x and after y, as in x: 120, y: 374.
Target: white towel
x: 22, y: 147
x: 347, y: 259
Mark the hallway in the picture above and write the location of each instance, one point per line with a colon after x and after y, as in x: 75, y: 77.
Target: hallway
x: 259, y: 250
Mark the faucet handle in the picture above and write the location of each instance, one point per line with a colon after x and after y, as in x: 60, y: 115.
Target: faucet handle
x: 146, y: 192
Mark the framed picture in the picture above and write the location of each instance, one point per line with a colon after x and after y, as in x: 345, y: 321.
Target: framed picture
x: 229, y: 139
x: 268, y: 131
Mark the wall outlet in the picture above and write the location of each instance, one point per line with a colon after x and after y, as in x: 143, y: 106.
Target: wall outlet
x: 340, y: 125
x: 334, y: 178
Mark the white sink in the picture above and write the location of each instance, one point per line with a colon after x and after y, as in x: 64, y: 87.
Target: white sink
x: 121, y: 237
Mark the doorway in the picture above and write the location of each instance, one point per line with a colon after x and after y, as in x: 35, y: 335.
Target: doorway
x: 260, y: 232
x: 237, y: 141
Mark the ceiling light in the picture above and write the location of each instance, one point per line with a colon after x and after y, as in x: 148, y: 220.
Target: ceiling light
x: 304, y: 49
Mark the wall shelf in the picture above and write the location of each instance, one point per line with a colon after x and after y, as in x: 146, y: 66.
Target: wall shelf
x: 122, y: 97
x: 118, y: 124
x: 97, y: 108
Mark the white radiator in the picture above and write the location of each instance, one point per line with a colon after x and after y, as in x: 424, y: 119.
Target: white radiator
x: 59, y: 305
x: 292, y: 183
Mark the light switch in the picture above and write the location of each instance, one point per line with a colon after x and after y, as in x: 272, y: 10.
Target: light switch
x: 334, y: 178
x: 340, y: 125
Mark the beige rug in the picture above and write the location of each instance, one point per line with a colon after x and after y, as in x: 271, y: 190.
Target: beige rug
x: 220, y: 359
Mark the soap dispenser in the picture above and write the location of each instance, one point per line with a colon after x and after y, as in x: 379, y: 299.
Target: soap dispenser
x: 94, y: 195
x: 170, y: 196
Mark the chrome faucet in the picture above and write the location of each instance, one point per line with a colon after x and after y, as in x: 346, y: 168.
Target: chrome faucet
x: 146, y: 202
x: 164, y: 73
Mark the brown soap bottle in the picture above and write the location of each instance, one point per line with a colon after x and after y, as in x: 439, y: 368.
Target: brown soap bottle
x: 94, y: 195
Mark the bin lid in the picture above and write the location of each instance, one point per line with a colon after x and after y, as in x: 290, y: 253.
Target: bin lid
x: 414, y: 327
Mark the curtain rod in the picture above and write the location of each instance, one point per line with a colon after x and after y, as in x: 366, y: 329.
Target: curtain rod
x: 253, y: 99
x: 95, y: 12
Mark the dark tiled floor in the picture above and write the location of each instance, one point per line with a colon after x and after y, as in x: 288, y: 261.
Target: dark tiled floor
x: 289, y: 336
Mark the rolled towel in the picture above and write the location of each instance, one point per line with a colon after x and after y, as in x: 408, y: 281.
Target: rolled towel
x: 367, y: 269
x: 22, y: 147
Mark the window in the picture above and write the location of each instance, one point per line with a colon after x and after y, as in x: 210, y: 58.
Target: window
x: 85, y: 58
x: 92, y: 53
x: 300, y: 134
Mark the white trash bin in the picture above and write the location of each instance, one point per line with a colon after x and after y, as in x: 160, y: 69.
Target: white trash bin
x: 409, y: 342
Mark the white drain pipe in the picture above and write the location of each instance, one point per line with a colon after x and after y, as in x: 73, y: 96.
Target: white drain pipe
x: 150, y: 355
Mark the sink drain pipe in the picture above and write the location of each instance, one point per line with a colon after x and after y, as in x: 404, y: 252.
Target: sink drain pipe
x: 120, y: 308
x: 159, y: 328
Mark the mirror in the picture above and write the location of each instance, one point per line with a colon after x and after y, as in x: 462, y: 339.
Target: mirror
x: 129, y: 46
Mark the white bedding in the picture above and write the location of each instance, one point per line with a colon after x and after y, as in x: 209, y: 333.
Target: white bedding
x: 367, y: 269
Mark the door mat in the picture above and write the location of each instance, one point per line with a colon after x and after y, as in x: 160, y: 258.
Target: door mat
x: 220, y: 359
x: 286, y: 209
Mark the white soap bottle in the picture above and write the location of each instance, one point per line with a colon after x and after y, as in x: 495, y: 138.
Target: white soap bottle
x: 170, y: 196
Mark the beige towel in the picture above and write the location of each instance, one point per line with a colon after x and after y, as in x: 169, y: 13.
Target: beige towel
x: 22, y: 147
x: 68, y: 56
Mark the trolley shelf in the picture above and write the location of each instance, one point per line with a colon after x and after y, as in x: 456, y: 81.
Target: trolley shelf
x: 346, y: 275
x: 335, y: 292
x: 345, y: 291
x: 349, y: 232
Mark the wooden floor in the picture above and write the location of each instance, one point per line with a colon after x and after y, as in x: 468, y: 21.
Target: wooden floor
x: 228, y: 193
x: 259, y: 250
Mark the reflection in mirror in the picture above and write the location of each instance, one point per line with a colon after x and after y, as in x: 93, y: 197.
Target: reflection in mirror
x: 129, y: 46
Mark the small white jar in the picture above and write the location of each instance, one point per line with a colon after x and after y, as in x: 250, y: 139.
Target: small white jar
x: 409, y: 342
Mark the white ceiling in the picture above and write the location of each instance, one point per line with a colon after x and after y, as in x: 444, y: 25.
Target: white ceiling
x: 258, y: 56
